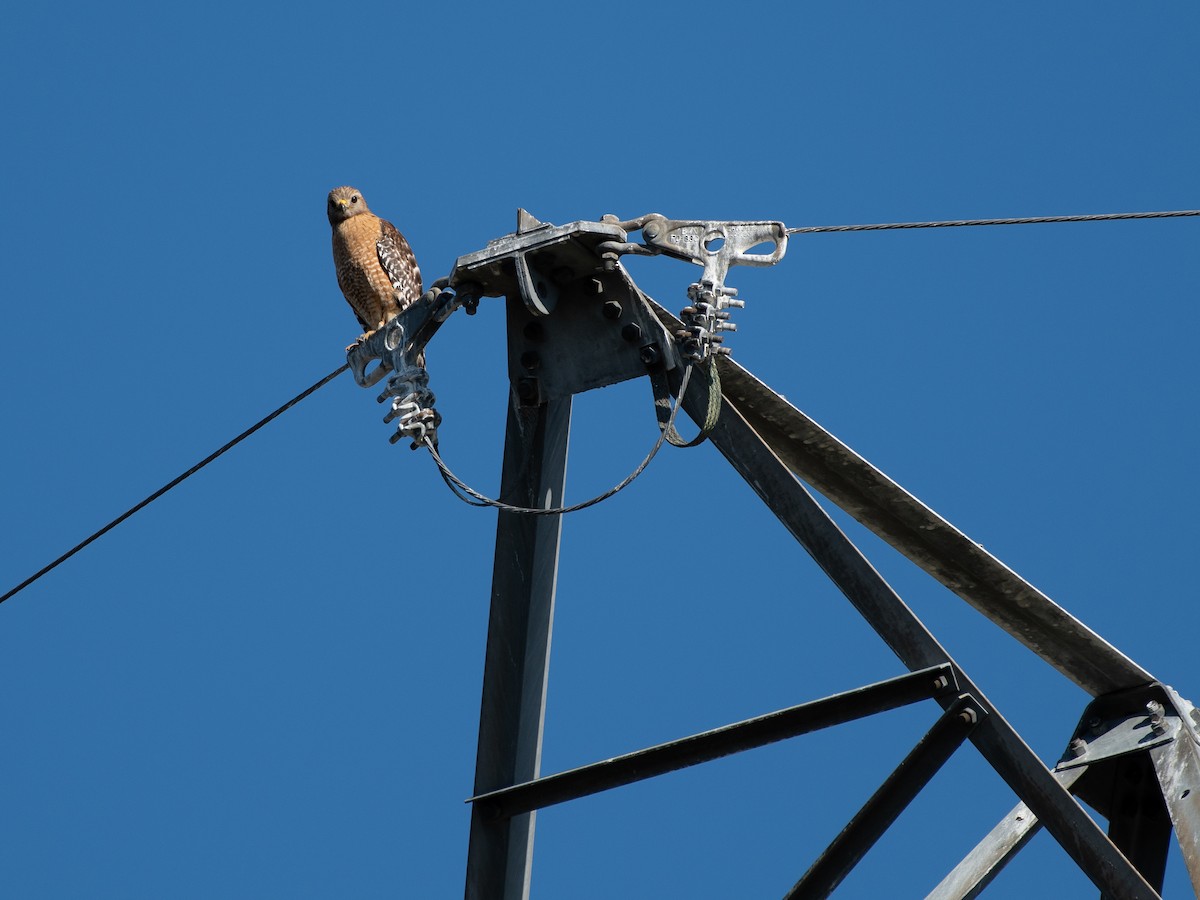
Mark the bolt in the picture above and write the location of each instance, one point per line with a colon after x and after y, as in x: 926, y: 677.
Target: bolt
x: 612, y: 309
x: 531, y: 360
x: 1154, y: 707
x: 527, y: 389
x: 651, y: 230
x: 1078, y: 747
x: 632, y: 332
x: 941, y: 682
x: 968, y: 716
x: 650, y: 354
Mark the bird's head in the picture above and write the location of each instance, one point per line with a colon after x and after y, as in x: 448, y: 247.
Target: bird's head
x: 345, y: 202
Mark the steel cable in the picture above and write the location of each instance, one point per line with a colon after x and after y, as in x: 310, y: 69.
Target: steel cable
x: 166, y: 487
x: 457, y: 485
x: 1035, y: 220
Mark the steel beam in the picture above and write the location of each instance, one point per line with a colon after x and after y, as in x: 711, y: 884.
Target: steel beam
x: 886, y: 804
x: 923, y: 536
x: 896, y: 624
x: 518, y: 643
x: 995, y: 851
x: 1177, y: 765
x: 1138, y: 822
x: 714, y: 744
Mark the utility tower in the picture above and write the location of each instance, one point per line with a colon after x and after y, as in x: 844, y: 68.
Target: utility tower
x: 576, y: 321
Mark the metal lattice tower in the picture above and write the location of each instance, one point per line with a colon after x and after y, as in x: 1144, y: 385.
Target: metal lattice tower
x: 576, y: 321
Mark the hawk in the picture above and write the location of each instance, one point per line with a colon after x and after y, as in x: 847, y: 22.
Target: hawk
x: 376, y: 268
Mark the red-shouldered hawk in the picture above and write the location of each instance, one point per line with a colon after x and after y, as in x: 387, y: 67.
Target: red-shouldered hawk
x: 376, y: 269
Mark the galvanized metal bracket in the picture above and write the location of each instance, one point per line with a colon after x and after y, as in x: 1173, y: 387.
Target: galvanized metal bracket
x: 581, y: 322
x: 534, y: 261
x: 1128, y: 722
x: 716, y: 245
x: 398, y: 350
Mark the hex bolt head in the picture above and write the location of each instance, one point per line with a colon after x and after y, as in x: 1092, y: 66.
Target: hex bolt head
x: 1078, y: 747
x: 612, y: 310
x: 632, y: 332
x: 650, y: 354
x: 941, y: 683
x: 651, y: 230
x: 968, y: 716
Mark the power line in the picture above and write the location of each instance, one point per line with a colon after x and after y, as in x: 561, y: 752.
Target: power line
x: 1036, y: 220
x: 812, y: 229
x: 166, y: 487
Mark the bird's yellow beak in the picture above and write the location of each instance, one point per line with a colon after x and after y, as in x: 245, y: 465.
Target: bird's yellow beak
x: 343, y: 203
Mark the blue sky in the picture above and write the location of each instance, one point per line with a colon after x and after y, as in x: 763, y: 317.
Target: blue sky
x: 267, y: 683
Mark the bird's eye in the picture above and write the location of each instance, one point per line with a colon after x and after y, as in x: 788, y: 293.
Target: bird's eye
x: 354, y: 199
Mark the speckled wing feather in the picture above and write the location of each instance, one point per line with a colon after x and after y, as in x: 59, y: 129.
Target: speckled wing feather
x: 400, y: 264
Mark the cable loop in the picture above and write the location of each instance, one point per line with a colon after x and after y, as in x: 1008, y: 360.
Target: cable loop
x: 472, y: 497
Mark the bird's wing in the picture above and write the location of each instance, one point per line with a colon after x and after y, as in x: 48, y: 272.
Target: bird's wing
x: 399, y: 262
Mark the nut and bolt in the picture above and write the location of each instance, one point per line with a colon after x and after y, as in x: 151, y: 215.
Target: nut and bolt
x: 632, y: 332
x: 1078, y: 747
x: 1158, y: 722
x: 612, y: 310
x: 527, y: 389
x: 650, y: 354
